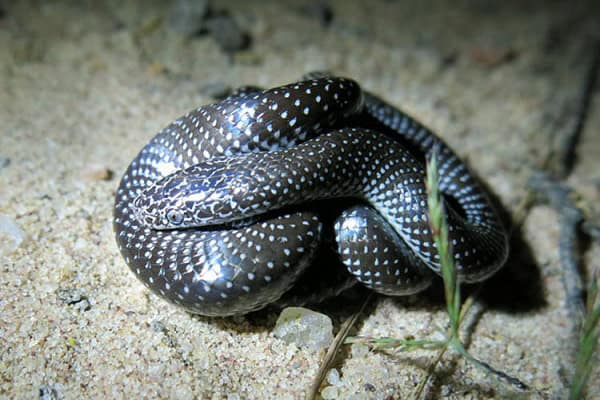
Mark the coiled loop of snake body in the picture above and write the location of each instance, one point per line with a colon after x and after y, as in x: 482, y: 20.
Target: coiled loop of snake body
x: 212, y: 214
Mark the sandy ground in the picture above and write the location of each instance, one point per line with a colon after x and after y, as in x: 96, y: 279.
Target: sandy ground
x: 83, y: 86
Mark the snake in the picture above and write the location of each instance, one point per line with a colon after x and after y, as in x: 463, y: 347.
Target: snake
x: 227, y: 208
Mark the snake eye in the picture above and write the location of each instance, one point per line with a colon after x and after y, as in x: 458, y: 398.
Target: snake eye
x: 175, y: 217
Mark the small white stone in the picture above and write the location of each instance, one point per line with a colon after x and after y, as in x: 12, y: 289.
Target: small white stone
x: 329, y: 393
x: 11, y: 235
x: 333, y: 377
x: 304, y: 327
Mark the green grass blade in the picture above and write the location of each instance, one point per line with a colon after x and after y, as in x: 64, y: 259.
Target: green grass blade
x: 439, y: 230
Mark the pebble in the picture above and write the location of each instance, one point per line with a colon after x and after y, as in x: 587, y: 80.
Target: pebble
x: 333, y: 377
x: 514, y: 351
x: 74, y: 297
x: 80, y: 244
x: 363, y: 396
x: 369, y: 387
x: 189, y: 17
x: 228, y: 34
x: 330, y: 393
x: 319, y: 10
x: 492, y: 56
x: 304, y: 327
x: 4, y: 161
x: 11, y: 236
x: 99, y: 173
x: 158, y: 326
x: 48, y: 392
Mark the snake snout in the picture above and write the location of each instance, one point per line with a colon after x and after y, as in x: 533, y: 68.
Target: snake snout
x: 145, y: 212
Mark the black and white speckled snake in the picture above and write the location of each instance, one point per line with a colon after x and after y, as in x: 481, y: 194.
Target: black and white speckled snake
x: 221, y: 211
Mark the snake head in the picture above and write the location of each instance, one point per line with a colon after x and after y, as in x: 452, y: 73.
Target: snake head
x: 204, y: 194
x: 159, y: 207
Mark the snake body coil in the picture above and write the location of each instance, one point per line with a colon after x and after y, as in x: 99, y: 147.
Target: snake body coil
x: 219, y: 213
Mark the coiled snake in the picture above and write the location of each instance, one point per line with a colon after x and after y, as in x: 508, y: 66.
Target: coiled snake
x: 221, y: 212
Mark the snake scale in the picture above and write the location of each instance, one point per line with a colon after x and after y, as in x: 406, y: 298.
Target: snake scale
x: 222, y: 212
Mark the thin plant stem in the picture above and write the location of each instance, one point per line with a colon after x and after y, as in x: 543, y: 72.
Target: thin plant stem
x: 588, y: 342
x: 439, y: 230
x: 404, y: 344
x: 457, y: 346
